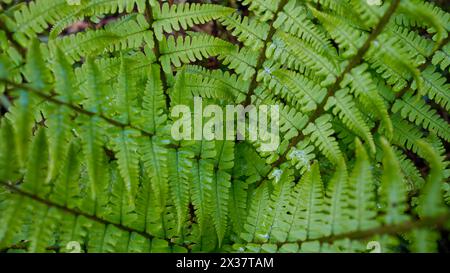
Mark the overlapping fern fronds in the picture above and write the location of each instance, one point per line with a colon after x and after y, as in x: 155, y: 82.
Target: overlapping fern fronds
x: 86, y: 153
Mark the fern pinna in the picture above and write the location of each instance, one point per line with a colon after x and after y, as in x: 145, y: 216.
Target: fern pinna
x: 86, y: 154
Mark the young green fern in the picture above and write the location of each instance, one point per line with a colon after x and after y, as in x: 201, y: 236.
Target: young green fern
x: 87, y: 156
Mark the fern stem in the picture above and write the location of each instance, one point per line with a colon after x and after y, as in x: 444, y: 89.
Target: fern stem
x: 77, y: 212
x: 76, y: 108
x: 262, y: 54
x: 355, y: 61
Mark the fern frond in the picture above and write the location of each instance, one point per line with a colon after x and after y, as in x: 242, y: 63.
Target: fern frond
x: 190, y: 49
x: 366, y: 89
x: 436, y: 20
x: 362, y: 197
x: 321, y: 134
x: 154, y: 157
x: 393, y: 188
x: 96, y: 8
x: 242, y: 61
x: 274, y: 223
x: 238, y: 205
x: 21, y: 117
x: 138, y: 66
x: 111, y: 6
x: 285, y: 46
x: 250, y: 32
x: 417, y: 47
x: 405, y: 134
x: 153, y: 115
x: 65, y: 189
x: 302, y: 155
x: 170, y: 18
x: 207, y: 87
x: 37, y: 170
x: 58, y: 133
x: 36, y: 71
x: 340, y: 7
x: 336, y: 198
x: 417, y: 111
x: 370, y: 14
x: 38, y: 15
x: 256, y: 214
x: 126, y: 149
x: 88, y: 162
x: 424, y: 241
x: 224, y: 82
x: 430, y: 202
x: 126, y: 98
x: 12, y: 217
x: 22, y: 114
x: 349, y: 38
x: 442, y: 57
x: 307, y: 214
x: 249, y: 164
x: 347, y: 112
x: 126, y: 33
x: 291, y: 121
x: 200, y: 185
x: 296, y: 89
x: 389, y: 61
x: 180, y: 173
x: 412, y: 175
x: 93, y: 153
x: 436, y: 87
x: 294, y: 19
x: 64, y: 77
x: 93, y: 89
x: 220, y: 187
x: 8, y: 159
x: 264, y: 9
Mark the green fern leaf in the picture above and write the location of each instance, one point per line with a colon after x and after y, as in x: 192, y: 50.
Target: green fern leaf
x: 393, y: 188
x: 170, y: 18
x: 417, y: 111
x: 185, y: 50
